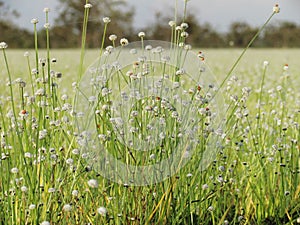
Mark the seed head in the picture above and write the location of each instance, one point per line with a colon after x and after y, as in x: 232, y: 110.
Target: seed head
x: 3, y: 45
x: 46, y: 10
x: 102, y: 211
x: 141, y: 34
x: 112, y: 37
x: 276, y: 8
x: 88, y: 6
x: 124, y: 42
x: 34, y: 21
x: 106, y: 20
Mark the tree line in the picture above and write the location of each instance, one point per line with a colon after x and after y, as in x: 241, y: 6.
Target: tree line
x: 66, y: 30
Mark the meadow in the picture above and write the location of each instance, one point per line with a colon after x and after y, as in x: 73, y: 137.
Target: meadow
x: 179, y: 135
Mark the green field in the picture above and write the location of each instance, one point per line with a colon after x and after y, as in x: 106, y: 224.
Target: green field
x: 253, y: 179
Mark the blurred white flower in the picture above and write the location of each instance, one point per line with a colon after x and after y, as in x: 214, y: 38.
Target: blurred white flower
x: 102, y: 211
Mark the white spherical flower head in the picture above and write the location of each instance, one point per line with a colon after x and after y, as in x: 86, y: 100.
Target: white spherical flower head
x: 106, y: 20
x: 93, y: 183
x: 286, y: 67
x: 24, y: 189
x: 47, y: 25
x: 45, y: 223
x: 32, y: 206
x: 3, y: 45
x: 112, y: 37
x: 141, y: 34
x: 124, y: 42
x: 46, y: 10
x: 265, y: 63
x: 34, y: 21
x: 14, y: 170
x: 102, y: 211
x: 184, y: 26
x: 67, y: 208
x: 88, y: 6
x: 172, y: 23
x: 276, y: 8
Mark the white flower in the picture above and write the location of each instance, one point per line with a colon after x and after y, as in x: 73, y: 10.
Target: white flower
x: 124, y: 42
x: 112, y: 37
x: 141, y: 34
x: 210, y: 208
x: 3, y: 45
x: 14, y: 170
x: 51, y: 190
x: 102, y: 211
x: 45, y: 223
x: 75, y: 193
x: 184, y: 26
x: 34, y: 21
x: 88, y: 6
x: 276, y: 8
x: 265, y: 64
x: 47, y: 25
x: 67, y: 208
x: 24, y: 189
x: 106, y: 20
x: 184, y: 34
x: 93, y: 183
x: 70, y: 161
x: 285, y: 67
x: 46, y: 10
x: 204, y: 186
x: 31, y: 206
x: 172, y: 23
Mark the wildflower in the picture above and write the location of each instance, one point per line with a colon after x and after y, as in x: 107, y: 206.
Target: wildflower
x: 184, y: 34
x: 112, y: 37
x: 45, y: 223
x: 75, y: 193
x: 67, y: 208
x: 47, y: 25
x: 106, y: 20
x: 88, y: 6
x: 152, y: 156
x: 51, y: 190
x: 178, y: 28
x: 24, y: 189
x: 141, y: 34
x: 32, y: 206
x: 184, y: 26
x: 286, y: 67
x: 70, y: 161
x: 276, y: 8
x: 102, y: 211
x: 172, y: 23
x: 124, y: 42
x: 14, y: 170
x: 93, y: 183
x: 210, y: 208
x: 201, y: 55
x: 46, y: 10
x: 3, y: 45
x: 265, y: 64
x: 204, y: 186
x: 34, y: 21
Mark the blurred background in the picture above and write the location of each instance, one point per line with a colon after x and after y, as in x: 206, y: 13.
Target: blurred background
x: 215, y: 24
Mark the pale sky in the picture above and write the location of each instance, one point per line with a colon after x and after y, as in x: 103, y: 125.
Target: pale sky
x: 219, y: 13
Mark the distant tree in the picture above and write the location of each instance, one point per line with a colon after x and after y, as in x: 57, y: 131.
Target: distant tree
x: 9, y: 32
x: 68, y: 25
x: 240, y: 34
x: 284, y: 34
